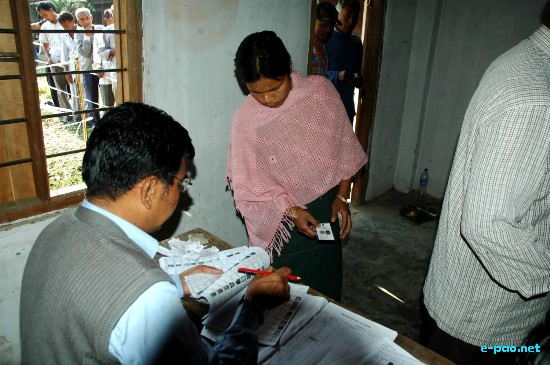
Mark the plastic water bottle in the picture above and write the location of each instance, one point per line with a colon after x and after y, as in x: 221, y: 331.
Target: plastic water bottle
x: 423, y: 182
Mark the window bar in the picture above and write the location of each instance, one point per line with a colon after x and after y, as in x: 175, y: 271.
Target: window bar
x: 68, y: 114
x: 15, y: 162
x: 13, y: 121
x: 73, y: 152
x: 81, y: 72
x: 10, y: 77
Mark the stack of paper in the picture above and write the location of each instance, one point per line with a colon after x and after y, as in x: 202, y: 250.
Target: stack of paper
x: 281, y: 322
x: 338, y: 336
x: 214, y: 290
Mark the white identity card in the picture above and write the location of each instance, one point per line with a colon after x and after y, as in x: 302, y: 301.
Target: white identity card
x: 324, y: 232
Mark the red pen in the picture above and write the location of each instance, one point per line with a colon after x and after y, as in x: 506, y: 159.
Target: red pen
x: 261, y: 272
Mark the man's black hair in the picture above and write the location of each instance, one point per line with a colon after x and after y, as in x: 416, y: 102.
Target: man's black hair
x: 65, y: 15
x: 46, y: 5
x: 130, y: 142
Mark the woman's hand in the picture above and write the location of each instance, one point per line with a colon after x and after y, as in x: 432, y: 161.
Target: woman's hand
x: 305, y: 223
x: 195, y: 270
x: 339, y: 206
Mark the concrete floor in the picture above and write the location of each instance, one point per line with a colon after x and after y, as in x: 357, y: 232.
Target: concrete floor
x: 389, y: 251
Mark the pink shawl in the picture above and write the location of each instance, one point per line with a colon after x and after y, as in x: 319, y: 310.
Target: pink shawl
x: 289, y: 156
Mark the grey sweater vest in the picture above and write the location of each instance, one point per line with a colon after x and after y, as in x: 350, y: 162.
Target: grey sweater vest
x: 82, y: 274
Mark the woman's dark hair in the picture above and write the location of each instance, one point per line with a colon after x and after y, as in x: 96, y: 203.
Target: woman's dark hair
x: 262, y: 54
x: 130, y: 142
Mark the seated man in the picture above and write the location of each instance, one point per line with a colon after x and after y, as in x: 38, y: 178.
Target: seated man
x: 91, y: 291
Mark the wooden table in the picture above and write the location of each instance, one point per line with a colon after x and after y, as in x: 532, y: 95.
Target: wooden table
x: 196, y: 309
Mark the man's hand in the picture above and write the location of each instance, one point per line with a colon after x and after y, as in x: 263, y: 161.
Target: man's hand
x: 344, y: 76
x: 271, y: 290
x: 195, y: 270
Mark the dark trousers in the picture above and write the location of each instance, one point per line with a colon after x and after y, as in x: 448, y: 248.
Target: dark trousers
x: 107, y: 94
x: 91, y: 91
x: 53, y: 93
x: 455, y: 349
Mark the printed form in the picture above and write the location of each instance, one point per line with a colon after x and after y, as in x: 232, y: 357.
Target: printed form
x: 333, y: 334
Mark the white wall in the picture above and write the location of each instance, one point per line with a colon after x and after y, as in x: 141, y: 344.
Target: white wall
x: 434, y: 55
x: 189, y: 47
x: 16, y: 240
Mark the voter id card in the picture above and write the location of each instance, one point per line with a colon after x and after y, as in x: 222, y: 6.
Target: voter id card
x: 324, y: 232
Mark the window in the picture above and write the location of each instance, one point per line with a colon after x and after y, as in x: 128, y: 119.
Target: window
x: 25, y: 189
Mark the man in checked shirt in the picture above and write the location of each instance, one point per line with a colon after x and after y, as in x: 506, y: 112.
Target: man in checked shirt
x: 489, y: 275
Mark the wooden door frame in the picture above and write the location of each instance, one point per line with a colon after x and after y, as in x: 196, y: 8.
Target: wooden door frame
x: 373, y: 26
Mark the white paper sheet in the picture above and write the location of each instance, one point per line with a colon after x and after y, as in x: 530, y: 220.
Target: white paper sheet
x: 275, y: 323
x: 333, y: 334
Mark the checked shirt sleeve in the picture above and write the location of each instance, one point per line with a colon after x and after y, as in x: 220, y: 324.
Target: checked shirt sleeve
x: 508, y: 191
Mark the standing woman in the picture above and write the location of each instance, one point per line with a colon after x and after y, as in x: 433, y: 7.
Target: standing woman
x: 292, y: 155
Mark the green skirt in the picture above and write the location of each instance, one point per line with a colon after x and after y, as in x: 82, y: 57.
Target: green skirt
x: 318, y: 263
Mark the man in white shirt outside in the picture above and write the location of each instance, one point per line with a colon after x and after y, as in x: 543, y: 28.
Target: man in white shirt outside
x: 68, y: 57
x: 85, y: 47
x: 104, y: 58
x: 52, y: 45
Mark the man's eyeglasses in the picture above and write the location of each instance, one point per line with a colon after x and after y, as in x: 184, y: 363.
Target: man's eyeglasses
x: 184, y: 184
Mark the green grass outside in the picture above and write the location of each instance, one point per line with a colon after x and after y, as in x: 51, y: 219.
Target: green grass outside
x: 63, y: 171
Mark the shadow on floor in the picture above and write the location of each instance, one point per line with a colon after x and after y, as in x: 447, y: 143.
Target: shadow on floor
x: 389, y: 251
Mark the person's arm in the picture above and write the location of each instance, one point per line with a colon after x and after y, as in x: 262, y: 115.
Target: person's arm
x: 103, y: 48
x: 46, y: 47
x: 37, y: 25
x: 333, y: 76
x: 239, y: 341
x: 66, y: 57
x: 505, y: 210
x: 357, y: 78
x: 84, y: 44
x: 97, y: 61
x: 156, y: 321
x: 157, y: 326
x: 340, y: 205
x: 44, y: 40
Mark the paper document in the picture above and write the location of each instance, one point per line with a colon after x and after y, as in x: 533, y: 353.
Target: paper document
x: 383, y: 353
x: 275, y: 323
x: 333, y: 334
x: 215, y: 290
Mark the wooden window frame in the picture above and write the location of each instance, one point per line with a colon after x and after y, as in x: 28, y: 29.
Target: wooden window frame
x: 128, y: 15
